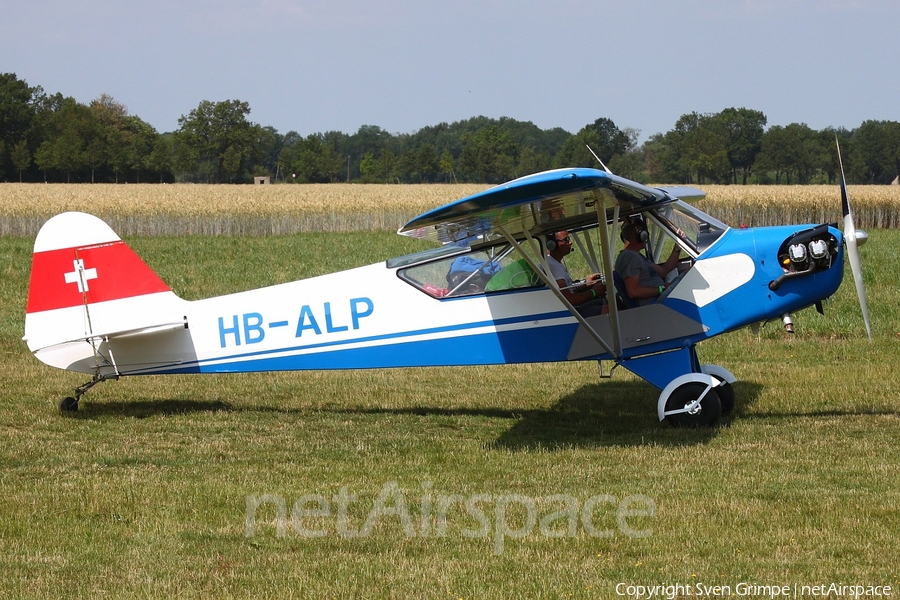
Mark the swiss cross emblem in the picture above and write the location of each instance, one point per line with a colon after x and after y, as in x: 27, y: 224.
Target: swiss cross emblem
x: 80, y: 275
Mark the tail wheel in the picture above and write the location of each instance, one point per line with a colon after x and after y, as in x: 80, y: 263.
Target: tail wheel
x: 68, y: 405
x: 691, y: 413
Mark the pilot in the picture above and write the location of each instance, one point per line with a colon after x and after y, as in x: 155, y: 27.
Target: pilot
x: 588, y: 298
x: 642, y: 277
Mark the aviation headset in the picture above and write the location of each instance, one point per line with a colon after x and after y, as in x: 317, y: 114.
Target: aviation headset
x: 636, y: 225
x: 551, y: 243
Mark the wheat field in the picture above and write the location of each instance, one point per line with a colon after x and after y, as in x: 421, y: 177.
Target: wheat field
x: 181, y: 209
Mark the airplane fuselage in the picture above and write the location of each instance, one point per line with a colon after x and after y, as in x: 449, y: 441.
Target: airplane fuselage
x: 370, y: 318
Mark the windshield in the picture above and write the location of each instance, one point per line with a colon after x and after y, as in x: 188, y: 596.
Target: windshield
x: 694, y: 227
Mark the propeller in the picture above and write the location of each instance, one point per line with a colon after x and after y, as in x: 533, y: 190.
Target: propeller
x: 853, y: 238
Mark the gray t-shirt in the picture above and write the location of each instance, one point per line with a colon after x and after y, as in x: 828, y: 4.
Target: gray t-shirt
x: 630, y: 263
x: 559, y: 271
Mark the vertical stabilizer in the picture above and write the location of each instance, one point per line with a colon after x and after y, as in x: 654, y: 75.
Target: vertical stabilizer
x: 86, y: 283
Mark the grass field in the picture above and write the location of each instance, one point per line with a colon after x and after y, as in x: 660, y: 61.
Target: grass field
x: 147, y: 492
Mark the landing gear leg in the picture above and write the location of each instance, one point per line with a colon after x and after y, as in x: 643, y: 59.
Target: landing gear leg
x: 69, y: 404
x: 726, y: 389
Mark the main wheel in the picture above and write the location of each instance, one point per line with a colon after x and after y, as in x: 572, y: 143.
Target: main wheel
x: 704, y: 415
x: 68, y: 404
x: 726, y: 397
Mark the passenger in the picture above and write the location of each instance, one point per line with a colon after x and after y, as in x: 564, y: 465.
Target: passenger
x: 642, y: 277
x: 589, y: 298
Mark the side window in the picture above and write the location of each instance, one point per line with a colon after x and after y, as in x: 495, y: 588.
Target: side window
x: 491, y: 270
x: 464, y: 275
x: 515, y: 273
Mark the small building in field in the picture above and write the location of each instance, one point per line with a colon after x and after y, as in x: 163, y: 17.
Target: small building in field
x: 265, y: 180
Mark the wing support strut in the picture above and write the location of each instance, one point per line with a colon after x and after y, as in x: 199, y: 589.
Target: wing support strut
x: 587, y: 250
x: 551, y: 283
x: 608, y: 249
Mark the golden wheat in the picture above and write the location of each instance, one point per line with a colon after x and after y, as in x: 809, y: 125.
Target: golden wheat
x: 873, y: 206
x: 148, y: 209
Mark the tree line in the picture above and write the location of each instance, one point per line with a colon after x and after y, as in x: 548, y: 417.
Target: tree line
x: 54, y: 138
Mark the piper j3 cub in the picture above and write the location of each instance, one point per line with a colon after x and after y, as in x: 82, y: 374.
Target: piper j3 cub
x: 481, y: 297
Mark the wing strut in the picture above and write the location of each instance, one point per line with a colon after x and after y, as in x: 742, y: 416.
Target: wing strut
x: 551, y: 283
x: 586, y: 247
x: 607, y: 250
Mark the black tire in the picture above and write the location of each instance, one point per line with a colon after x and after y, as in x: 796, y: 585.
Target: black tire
x: 726, y: 397
x: 68, y: 405
x: 705, y: 415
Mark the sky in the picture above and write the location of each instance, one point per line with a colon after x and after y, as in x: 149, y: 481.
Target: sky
x: 336, y: 65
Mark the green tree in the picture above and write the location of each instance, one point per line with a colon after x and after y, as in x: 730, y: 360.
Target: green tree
x: 532, y: 161
x: 630, y: 165
x: 743, y: 129
x: 788, y: 151
x: 313, y: 159
x: 702, y: 148
x: 18, y: 109
x: 211, y: 130
x: 71, y: 130
x: 877, y: 146
x: 446, y: 166
x: 427, y: 164
x: 231, y: 162
x: 489, y: 155
x: 827, y: 166
x: 110, y: 145
x: 140, y: 143
x: 368, y: 168
x: 387, y: 166
x: 661, y: 159
x: 369, y: 139
x: 159, y: 160
x: 603, y: 137
x: 21, y: 157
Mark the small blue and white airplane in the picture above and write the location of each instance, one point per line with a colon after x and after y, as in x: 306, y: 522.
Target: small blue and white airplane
x: 480, y: 297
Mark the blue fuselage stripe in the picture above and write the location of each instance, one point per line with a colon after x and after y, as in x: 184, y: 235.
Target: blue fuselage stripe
x: 485, y: 348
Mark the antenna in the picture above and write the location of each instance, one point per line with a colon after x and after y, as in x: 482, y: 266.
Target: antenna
x: 605, y: 168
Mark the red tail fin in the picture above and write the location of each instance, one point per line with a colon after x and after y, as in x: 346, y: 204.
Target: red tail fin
x: 87, y: 287
x: 78, y: 259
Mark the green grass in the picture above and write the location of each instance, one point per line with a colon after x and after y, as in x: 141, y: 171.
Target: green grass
x: 144, y: 492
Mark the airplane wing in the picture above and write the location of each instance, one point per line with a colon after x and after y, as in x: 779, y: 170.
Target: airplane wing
x: 539, y: 203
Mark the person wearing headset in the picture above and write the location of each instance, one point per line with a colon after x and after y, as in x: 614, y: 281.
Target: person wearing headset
x: 588, y: 298
x: 642, y: 277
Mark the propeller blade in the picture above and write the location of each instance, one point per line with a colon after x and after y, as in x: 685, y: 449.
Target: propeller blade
x: 851, y: 242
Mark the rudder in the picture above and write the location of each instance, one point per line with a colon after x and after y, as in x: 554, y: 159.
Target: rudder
x: 86, y: 283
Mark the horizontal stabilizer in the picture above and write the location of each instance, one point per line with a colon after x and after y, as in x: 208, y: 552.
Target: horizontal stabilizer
x: 122, y: 334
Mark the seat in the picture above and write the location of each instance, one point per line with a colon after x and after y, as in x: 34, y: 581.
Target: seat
x: 626, y: 300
